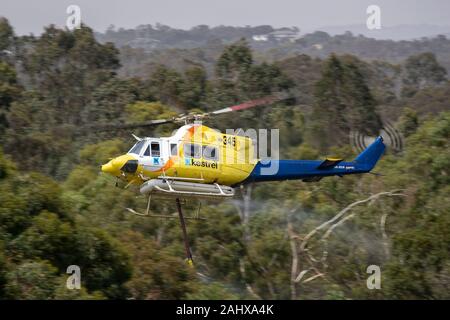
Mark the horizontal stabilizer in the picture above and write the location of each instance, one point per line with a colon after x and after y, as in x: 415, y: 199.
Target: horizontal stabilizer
x: 328, y: 163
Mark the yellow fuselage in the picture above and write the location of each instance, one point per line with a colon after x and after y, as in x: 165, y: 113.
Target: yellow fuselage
x: 195, y: 152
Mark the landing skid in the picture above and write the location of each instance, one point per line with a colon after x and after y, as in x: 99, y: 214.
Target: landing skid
x: 147, y: 213
x: 165, y: 216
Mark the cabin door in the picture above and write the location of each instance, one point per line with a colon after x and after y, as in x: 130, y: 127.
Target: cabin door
x: 153, y: 156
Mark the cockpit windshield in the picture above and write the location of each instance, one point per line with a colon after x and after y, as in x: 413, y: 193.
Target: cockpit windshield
x: 137, y: 147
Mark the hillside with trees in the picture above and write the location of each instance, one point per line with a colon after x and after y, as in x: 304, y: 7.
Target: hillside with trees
x: 283, y: 240
x: 147, y: 45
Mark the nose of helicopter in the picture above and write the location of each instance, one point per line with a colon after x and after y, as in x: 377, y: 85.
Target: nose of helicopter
x: 109, y: 167
x: 124, y: 163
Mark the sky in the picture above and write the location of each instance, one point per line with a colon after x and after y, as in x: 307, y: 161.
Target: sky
x: 31, y: 16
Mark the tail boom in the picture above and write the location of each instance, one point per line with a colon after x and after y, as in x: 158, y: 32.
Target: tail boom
x: 314, y: 170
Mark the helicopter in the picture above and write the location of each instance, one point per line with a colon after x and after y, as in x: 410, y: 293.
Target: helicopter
x: 198, y: 162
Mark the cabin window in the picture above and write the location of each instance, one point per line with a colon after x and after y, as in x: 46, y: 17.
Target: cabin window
x: 137, y: 147
x: 210, y: 153
x: 192, y: 151
x: 173, y: 149
x: 155, y: 149
x: 147, y: 152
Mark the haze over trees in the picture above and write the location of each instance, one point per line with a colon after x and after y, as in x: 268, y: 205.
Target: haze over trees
x: 146, y: 46
x: 56, y: 209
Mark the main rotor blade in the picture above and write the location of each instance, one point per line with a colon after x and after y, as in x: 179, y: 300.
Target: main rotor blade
x: 132, y: 125
x: 250, y: 104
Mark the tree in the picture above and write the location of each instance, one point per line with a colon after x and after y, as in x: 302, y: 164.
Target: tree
x: 420, y: 264
x: 7, y: 168
x: 6, y: 35
x: 409, y: 122
x: 343, y: 102
x: 22, y: 201
x: 421, y: 71
x: 158, y: 274
x: 9, y: 92
x: 71, y: 84
x: 35, y: 280
x: 67, y: 67
x: 239, y: 79
x: 165, y: 85
x: 193, y: 89
x: 3, y: 271
x: 98, y: 153
x: 262, y: 80
x: 214, y: 291
x: 103, y: 262
x: 145, y: 111
x: 9, y: 88
x: 235, y: 60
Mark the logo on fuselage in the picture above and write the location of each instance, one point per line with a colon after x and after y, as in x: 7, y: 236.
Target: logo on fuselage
x: 200, y: 163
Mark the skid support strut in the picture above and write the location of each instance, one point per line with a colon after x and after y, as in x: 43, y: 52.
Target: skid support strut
x: 185, y: 237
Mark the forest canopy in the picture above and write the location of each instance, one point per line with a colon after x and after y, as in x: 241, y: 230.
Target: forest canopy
x: 56, y: 210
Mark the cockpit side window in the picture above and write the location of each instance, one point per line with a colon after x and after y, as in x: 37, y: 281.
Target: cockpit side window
x: 137, y: 147
x: 147, y: 152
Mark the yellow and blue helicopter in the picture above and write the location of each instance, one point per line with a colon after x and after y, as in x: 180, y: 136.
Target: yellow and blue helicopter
x: 198, y: 162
